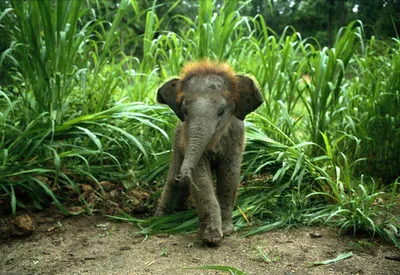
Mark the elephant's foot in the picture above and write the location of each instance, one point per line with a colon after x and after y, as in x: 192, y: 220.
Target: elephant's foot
x: 161, y: 211
x: 210, y: 234
x: 227, y: 228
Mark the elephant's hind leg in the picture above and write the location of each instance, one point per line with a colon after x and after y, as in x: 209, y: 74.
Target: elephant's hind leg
x: 228, y: 177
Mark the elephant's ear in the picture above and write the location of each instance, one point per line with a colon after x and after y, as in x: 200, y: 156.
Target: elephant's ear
x: 249, y: 96
x: 168, y: 94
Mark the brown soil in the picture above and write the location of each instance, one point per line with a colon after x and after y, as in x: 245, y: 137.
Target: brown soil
x: 97, y: 245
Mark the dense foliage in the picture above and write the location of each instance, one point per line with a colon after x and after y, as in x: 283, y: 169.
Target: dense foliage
x: 78, y: 106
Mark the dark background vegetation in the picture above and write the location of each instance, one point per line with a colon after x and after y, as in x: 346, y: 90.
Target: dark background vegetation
x: 319, y: 19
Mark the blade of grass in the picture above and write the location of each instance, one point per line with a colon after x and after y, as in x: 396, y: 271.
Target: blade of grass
x: 338, y: 258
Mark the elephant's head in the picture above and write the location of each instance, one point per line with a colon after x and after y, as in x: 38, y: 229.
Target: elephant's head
x: 205, y: 98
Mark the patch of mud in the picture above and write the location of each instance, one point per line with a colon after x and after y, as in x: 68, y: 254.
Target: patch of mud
x: 97, y: 245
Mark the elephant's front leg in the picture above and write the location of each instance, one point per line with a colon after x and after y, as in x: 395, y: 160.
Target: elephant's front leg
x: 210, y: 230
x: 228, y: 177
x: 174, y: 193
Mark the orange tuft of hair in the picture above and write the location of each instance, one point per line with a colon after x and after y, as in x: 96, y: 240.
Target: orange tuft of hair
x: 207, y: 67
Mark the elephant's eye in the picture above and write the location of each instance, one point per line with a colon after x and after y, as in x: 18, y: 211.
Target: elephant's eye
x: 221, y: 111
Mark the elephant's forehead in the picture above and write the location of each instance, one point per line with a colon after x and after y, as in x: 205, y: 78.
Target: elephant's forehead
x: 205, y: 84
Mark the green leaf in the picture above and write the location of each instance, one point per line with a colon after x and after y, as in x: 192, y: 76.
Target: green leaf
x: 13, y: 201
x: 92, y: 136
x: 338, y: 258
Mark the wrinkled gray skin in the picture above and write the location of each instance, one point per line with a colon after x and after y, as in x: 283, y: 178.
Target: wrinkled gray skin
x: 210, y: 137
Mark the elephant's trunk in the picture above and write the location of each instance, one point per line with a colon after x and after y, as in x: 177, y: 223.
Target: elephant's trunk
x: 200, y: 133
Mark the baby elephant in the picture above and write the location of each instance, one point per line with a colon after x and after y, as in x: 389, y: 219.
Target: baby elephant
x: 211, y: 101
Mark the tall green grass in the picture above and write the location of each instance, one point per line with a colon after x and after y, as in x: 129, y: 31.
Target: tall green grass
x: 322, y: 148
x: 68, y: 119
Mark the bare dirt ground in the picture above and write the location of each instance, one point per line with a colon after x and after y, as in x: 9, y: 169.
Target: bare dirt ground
x: 97, y: 245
